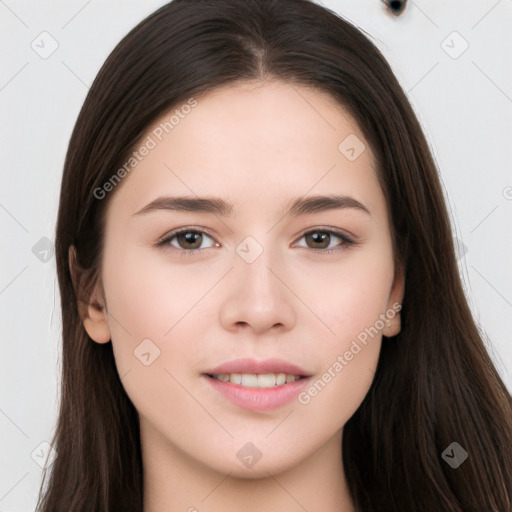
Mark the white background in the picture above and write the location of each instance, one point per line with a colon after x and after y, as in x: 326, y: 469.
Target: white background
x: 464, y: 105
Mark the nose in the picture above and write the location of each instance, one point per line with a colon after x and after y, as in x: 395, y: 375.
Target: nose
x: 258, y: 297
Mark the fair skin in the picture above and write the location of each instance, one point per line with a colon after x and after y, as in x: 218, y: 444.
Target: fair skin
x: 258, y: 146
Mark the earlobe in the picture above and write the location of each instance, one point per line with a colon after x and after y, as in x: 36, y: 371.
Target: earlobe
x: 95, y: 320
x: 394, y: 325
x: 93, y: 312
x: 96, y: 323
x: 392, y: 328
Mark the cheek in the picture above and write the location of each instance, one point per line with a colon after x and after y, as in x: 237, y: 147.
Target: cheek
x: 148, y: 300
x: 148, y: 295
x: 349, y: 296
x: 150, y: 307
x: 340, y: 389
x: 353, y: 296
x: 351, y: 303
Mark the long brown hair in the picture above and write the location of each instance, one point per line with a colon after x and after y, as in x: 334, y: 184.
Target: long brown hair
x: 435, y: 383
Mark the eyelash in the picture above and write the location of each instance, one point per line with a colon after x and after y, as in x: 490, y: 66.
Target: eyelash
x: 164, y: 243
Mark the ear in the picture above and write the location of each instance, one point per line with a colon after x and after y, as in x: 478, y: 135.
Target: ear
x: 93, y: 312
x: 393, y: 326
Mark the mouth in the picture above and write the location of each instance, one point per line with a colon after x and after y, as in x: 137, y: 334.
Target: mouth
x: 257, y: 391
x: 257, y: 380
x: 257, y: 385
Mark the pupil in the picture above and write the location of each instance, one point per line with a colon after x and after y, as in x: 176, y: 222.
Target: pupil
x: 189, y: 237
x: 319, y: 237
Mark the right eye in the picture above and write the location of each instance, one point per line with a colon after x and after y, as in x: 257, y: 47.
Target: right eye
x: 185, y: 240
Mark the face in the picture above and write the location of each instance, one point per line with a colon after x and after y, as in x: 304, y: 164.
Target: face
x: 275, y: 282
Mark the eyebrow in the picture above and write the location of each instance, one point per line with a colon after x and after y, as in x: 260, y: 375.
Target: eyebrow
x: 221, y: 207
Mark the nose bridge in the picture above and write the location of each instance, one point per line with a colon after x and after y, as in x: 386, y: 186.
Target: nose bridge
x: 257, y: 297
x: 254, y: 265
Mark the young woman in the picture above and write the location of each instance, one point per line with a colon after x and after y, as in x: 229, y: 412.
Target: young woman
x: 261, y: 303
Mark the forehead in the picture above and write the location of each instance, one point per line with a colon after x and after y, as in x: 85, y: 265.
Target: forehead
x: 273, y: 113
x: 274, y: 139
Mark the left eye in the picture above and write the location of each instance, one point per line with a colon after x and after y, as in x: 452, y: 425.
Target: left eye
x: 320, y: 237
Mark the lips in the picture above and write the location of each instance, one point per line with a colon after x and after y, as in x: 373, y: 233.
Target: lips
x: 246, y: 382
x: 258, y: 366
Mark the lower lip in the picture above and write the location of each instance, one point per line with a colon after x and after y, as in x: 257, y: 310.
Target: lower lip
x: 258, y: 399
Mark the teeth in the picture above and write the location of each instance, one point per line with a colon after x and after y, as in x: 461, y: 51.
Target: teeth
x: 249, y: 380
x: 280, y: 379
x: 257, y: 380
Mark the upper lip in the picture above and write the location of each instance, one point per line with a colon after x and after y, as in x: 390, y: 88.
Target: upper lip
x: 258, y: 366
